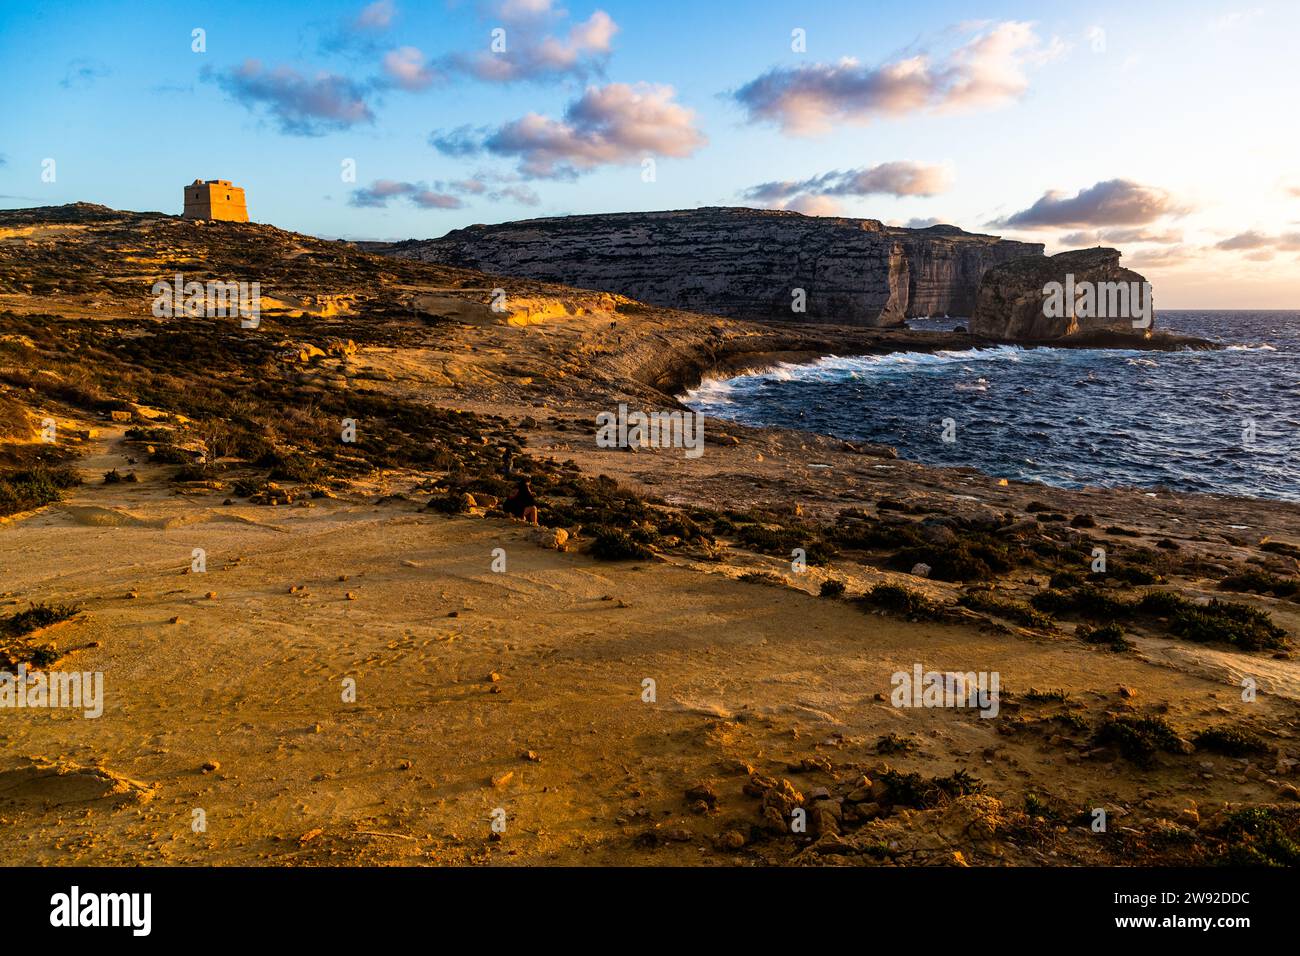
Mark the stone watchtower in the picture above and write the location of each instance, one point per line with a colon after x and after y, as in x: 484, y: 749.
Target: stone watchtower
x: 215, y: 199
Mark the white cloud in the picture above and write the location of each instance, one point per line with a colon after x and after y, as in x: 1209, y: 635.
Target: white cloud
x: 533, y: 55
x: 376, y: 16
x: 898, y: 178
x: 1113, y: 202
x: 608, y: 125
x: 406, y: 68
x: 988, y: 71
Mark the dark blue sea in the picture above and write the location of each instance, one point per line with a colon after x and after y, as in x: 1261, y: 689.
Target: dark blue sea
x: 1224, y: 421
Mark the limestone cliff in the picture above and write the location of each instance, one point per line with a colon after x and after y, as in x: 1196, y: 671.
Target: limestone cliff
x: 1093, y: 293
x: 740, y: 262
x: 945, y: 265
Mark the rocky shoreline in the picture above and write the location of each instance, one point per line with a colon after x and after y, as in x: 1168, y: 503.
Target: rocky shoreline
x: 798, y: 350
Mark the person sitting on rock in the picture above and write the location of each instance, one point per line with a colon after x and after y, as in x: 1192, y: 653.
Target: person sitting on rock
x: 522, y: 504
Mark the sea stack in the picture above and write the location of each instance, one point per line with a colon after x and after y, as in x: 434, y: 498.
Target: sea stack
x: 1068, y: 294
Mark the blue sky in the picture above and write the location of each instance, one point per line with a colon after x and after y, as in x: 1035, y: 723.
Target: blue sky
x: 1164, y: 128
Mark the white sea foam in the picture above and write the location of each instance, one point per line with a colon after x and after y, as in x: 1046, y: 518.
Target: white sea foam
x: 837, y: 368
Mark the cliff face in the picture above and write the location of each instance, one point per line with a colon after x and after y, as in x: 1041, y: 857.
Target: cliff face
x: 945, y: 266
x: 746, y: 263
x: 1092, y: 293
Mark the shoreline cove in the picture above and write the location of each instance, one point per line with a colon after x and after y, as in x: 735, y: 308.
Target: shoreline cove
x: 1001, y: 383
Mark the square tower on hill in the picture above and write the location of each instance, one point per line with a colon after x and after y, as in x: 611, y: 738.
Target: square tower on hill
x: 215, y: 199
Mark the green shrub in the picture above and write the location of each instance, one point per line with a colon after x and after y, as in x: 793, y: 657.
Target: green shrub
x: 1256, y: 836
x: 1261, y: 582
x: 1162, y: 603
x: 246, y: 487
x: 892, y: 743
x: 1011, y: 610
x: 150, y: 434
x: 28, y: 488
x: 831, y: 588
x: 1110, y: 634
x: 1073, y: 721
x: 1052, y: 601
x: 1087, y: 601
x: 171, y: 455
x: 1129, y: 574
x: 1092, y: 602
x: 1065, y: 580
x: 1036, y: 806
x: 913, y: 790
x: 1231, y: 741
x: 452, y: 503
x: 1138, y: 738
x: 1231, y: 623
x: 780, y: 542
x: 897, y: 600
x: 612, y: 544
x: 972, y: 557
x: 294, y: 467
